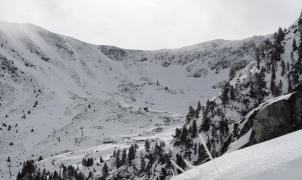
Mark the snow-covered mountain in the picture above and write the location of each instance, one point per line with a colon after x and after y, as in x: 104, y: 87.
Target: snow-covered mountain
x: 64, y: 100
x: 261, y: 102
x: 53, y: 85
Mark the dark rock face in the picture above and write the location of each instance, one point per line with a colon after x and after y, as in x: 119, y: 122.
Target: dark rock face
x: 114, y: 53
x: 300, y: 23
x: 277, y: 119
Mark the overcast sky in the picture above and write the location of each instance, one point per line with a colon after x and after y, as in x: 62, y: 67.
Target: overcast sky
x: 153, y: 24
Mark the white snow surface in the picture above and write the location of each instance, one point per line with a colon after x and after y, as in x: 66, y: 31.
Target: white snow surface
x: 277, y: 159
x: 100, y: 88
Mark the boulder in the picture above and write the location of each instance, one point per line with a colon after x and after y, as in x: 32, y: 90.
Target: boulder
x: 278, y: 118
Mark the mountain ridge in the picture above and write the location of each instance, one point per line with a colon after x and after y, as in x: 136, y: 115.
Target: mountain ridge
x: 60, y: 95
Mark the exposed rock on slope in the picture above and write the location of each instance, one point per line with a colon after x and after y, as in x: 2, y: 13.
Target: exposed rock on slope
x: 278, y: 118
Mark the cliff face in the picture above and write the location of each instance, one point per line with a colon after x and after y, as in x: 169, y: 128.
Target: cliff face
x: 278, y: 118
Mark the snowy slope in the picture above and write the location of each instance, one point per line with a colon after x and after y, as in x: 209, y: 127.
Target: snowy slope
x: 277, y: 159
x: 74, y: 67
x: 231, y: 121
x: 52, y: 85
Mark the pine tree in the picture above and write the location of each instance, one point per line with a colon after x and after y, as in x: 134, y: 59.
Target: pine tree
x: 101, y: 159
x: 280, y: 35
x: 205, y: 125
x: 9, y: 165
x: 257, y: 55
x: 177, y: 137
x: 232, y: 73
x: 184, y: 135
x: 273, y: 87
x: 273, y: 77
x: 278, y: 48
x: 87, y: 162
x: 124, y: 157
x: 224, y: 96
x: 163, y: 174
x: 159, y: 151
x: 131, y: 154
x: 198, y: 109
x: 180, y: 162
x: 143, y: 163
x: 114, y: 154
x: 300, y: 51
x: 258, y: 86
x: 289, y: 84
x: 195, y: 149
x: 300, y: 20
x: 194, y: 129
x: 202, y: 155
x: 294, y: 45
x: 190, y: 114
x: 118, y: 162
x: 232, y: 93
x: 147, y: 146
x: 135, y: 147
x: 105, y: 170
x: 35, y: 104
x: 283, y: 68
x: 280, y: 87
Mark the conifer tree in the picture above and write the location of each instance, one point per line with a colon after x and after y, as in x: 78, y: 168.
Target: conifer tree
x: 280, y: 87
x: 177, y: 137
x: 300, y: 51
x: 190, y: 114
x: 105, y: 171
x: 163, y: 174
x: 202, y: 155
x: 118, y: 162
x: 143, y: 163
x: 184, y: 135
x: 283, y: 68
x: 258, y: 86
x: 195, y: 149
x: 224, y: 96
x: 131, y: 154
x: 258, y: 54
x: 180, y: 162
x: 294, y: 45
x: 101, y: 159
x: 194, y: 129
x: 289, y: 87
x: 280, y: 35
x: 232, y: 93
x: 124, y: 157
x: 273, y: 77
x: 147, y: 146
x: 198, y: 109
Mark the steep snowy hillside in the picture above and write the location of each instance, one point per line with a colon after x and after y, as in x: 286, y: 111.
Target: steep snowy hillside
x: 260, y: 102
x: 277, y: 159
x: 74, y: 67
x: 55, y: 88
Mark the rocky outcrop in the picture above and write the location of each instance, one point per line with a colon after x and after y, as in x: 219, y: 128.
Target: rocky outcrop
x: 278, y: 118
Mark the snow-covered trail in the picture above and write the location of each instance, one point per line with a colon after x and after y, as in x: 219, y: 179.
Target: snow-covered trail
x: 277, y: 159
